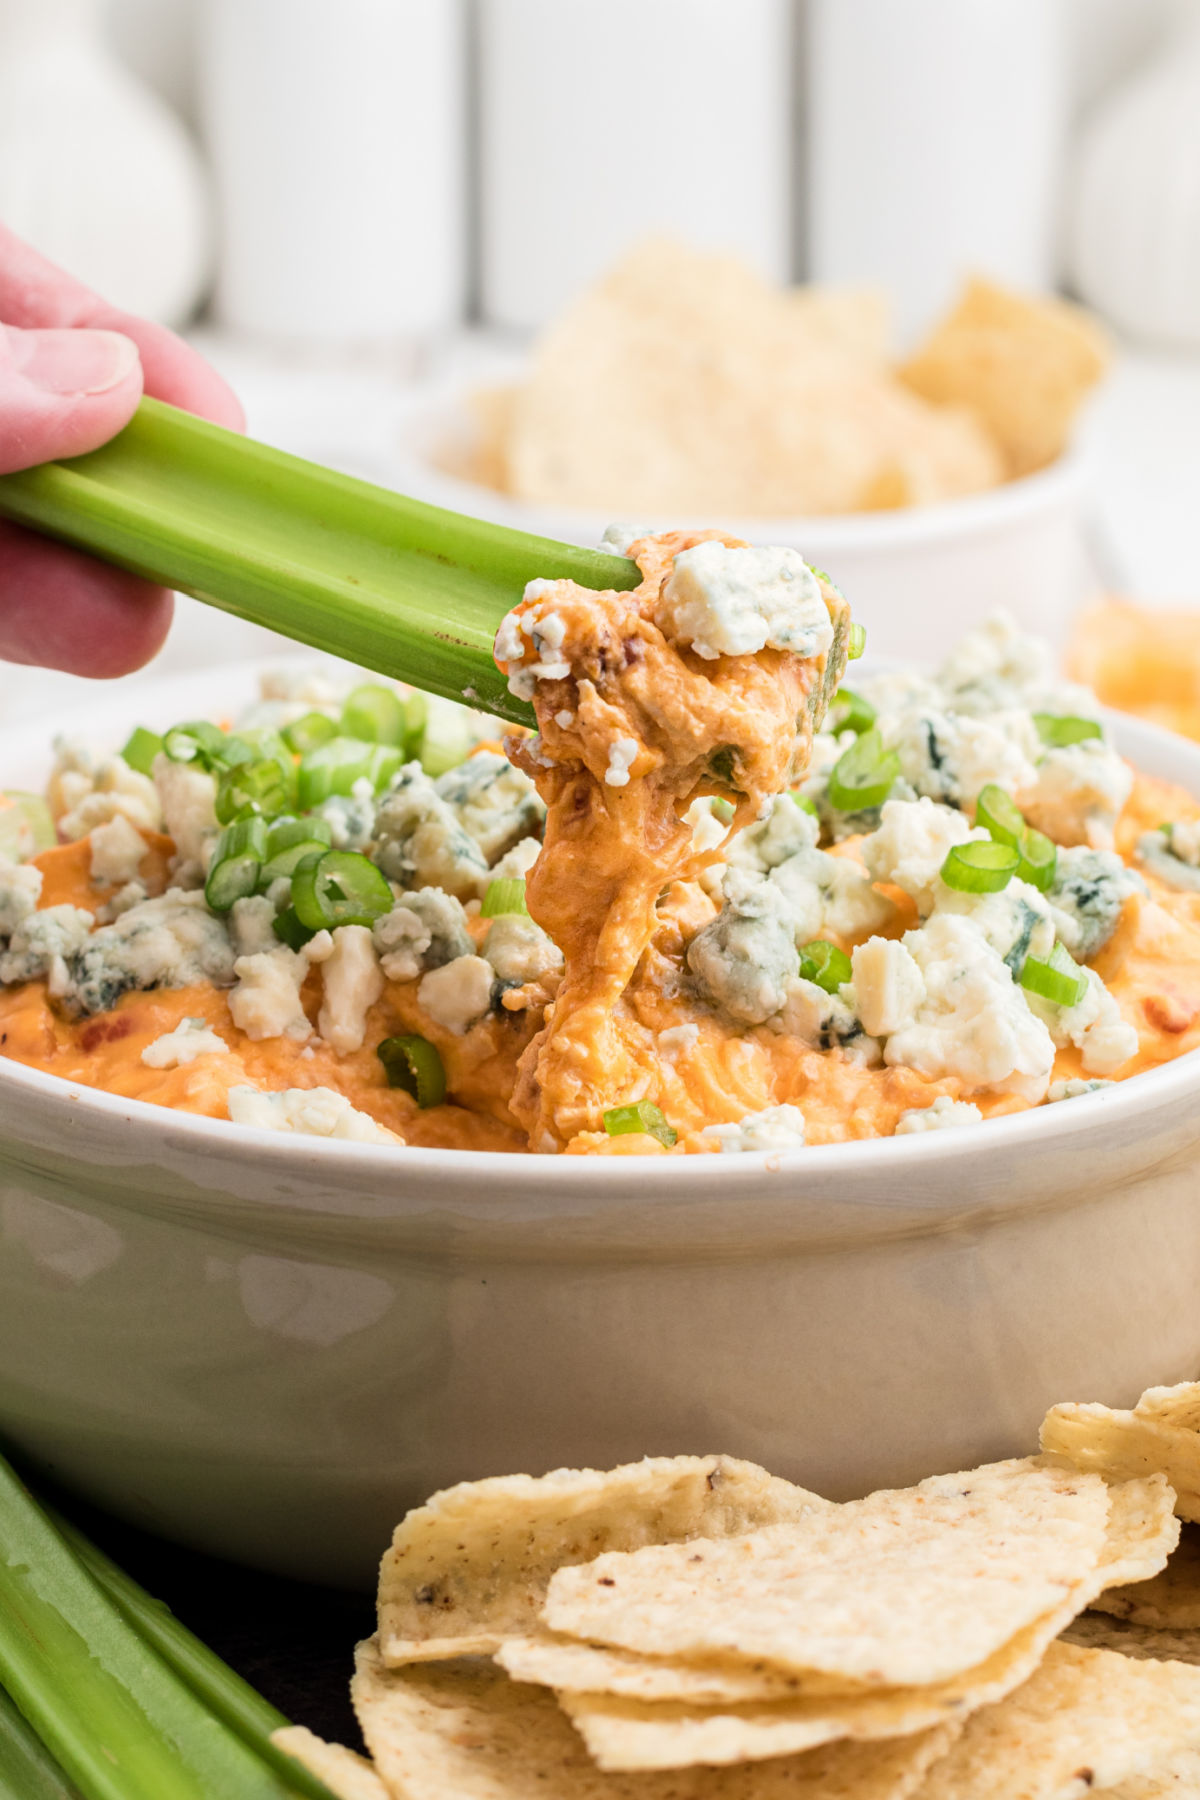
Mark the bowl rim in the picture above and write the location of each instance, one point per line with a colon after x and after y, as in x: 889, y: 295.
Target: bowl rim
x: 1153, y: 1090
x: 441, y: 407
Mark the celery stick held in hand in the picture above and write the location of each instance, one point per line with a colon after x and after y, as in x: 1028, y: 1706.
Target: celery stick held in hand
x: 72, y: 370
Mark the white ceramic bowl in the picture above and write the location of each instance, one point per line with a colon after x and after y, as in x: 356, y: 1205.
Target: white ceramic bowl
x: 271, y: 1346
x: 918, y: 576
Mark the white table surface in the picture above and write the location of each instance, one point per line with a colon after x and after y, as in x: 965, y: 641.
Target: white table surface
x: 1143, y: 432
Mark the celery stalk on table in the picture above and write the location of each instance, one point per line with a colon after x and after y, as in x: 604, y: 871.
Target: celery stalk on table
x: 119, y: 1720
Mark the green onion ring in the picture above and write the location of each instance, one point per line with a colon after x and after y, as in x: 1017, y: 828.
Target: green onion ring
x: 236, y: 864
x: 999, y: 815
x: 1039, y: 859
x: 304, y: 734
x: 504, y: 896
x: 1060, y: 729
x: 857, y: 641
x: 339, y: 888
x: 413, y: 1063
x: 376, y: 713
x: 643, y: 1115
x: 980, y: 867
x: 141, y: 748
x: 1061, y: 980
x: 864, y: 774
x: 848, y: 711
x: 825, y: 964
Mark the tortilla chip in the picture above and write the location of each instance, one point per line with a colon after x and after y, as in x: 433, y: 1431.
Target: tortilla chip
x: 471, y: 1567
x: 906, y: 1587
x: 463, y: 1729
x: 1086, y: 1720
x: 343, y: 1771
x: 574, y: 1667
x: 1181, y: 1782
x: 1100, y: 1631
x: 1170, y: 1599
x: 1140, y: 1533
x: 685, y: 386
x: 1022, y: 365
x: 1162, y: 1432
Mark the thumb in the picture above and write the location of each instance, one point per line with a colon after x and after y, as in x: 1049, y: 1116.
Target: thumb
x: 63, y: 392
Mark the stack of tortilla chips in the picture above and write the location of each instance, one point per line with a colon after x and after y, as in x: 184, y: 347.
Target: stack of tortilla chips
x: 692, y: 1628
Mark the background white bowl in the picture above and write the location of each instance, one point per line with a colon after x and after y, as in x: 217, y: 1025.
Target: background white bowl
x: 269, y: 1347
x: 915, y: 577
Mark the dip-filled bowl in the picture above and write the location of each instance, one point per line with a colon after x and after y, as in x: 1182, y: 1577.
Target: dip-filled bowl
x: 269, y: 1346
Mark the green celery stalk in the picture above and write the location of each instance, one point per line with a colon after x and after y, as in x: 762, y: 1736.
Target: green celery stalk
x: 391, y: 583
x: 27, y: 1770
x: 222, y: 1690
x: 118, y: 1720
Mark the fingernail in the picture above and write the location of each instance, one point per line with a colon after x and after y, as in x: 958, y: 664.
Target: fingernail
x: 73, y: 362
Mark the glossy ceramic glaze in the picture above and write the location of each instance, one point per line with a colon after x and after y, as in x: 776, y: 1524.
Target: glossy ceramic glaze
x: 272, y: 1346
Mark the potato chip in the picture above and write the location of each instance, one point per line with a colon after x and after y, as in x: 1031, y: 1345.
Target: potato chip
x: 1022, y: 366
x: 471, y: 1566
x: 1162, y: 1432
x: 343, y: 1771
x: 906, y: 1587
x: 464, y: 1730
x: 1086, y: 1720
x: 1170, y: 1599
x: 1140, y: 1533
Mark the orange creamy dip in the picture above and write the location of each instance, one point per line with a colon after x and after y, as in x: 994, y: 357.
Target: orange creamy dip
x: 617, y: 888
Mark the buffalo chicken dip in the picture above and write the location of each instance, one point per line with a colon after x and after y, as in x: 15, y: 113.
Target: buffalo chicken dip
x: 722, y: 901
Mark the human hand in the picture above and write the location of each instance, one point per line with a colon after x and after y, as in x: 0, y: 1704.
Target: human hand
x: 72, y: 370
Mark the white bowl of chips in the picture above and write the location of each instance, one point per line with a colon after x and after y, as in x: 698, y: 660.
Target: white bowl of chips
x: 683, y: 390
x: 916, y: 576
x: 270, y: 1346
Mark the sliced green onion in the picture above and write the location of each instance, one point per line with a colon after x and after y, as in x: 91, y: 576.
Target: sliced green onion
x: 642, y: 1116
x: 999, y: 815
x: 117, y: 1719
x: 199, y: 741
x: 413, y: 1063
x: 504, y: 896
x: 1061, y: 729
x: 806, y: 804
x: 237, y: 861
x: 416, y: 712
x: 335, y: 767
x: 1039, y: 859
x: 286, y: 862
x: 857, y: 641
x: 980, y: 867
x: 230, y: 1699
x: 825, y: 964
x: 1060, y: 980
x: 26, y: 825
x: 264, y: 788
x: 288, y: 929
x: 863, y: 775
x: 140, y: 749
x: 375, y: 713
x: 850, y: 712
x: 339, y: 888
x: 722, y: 809
x: 447, y: 738
x: 304, y: 734
x: 282, y: 833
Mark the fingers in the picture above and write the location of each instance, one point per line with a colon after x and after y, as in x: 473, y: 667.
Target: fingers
x: 61, y: 610
x: 33, y: 292
x: 63, y: 393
